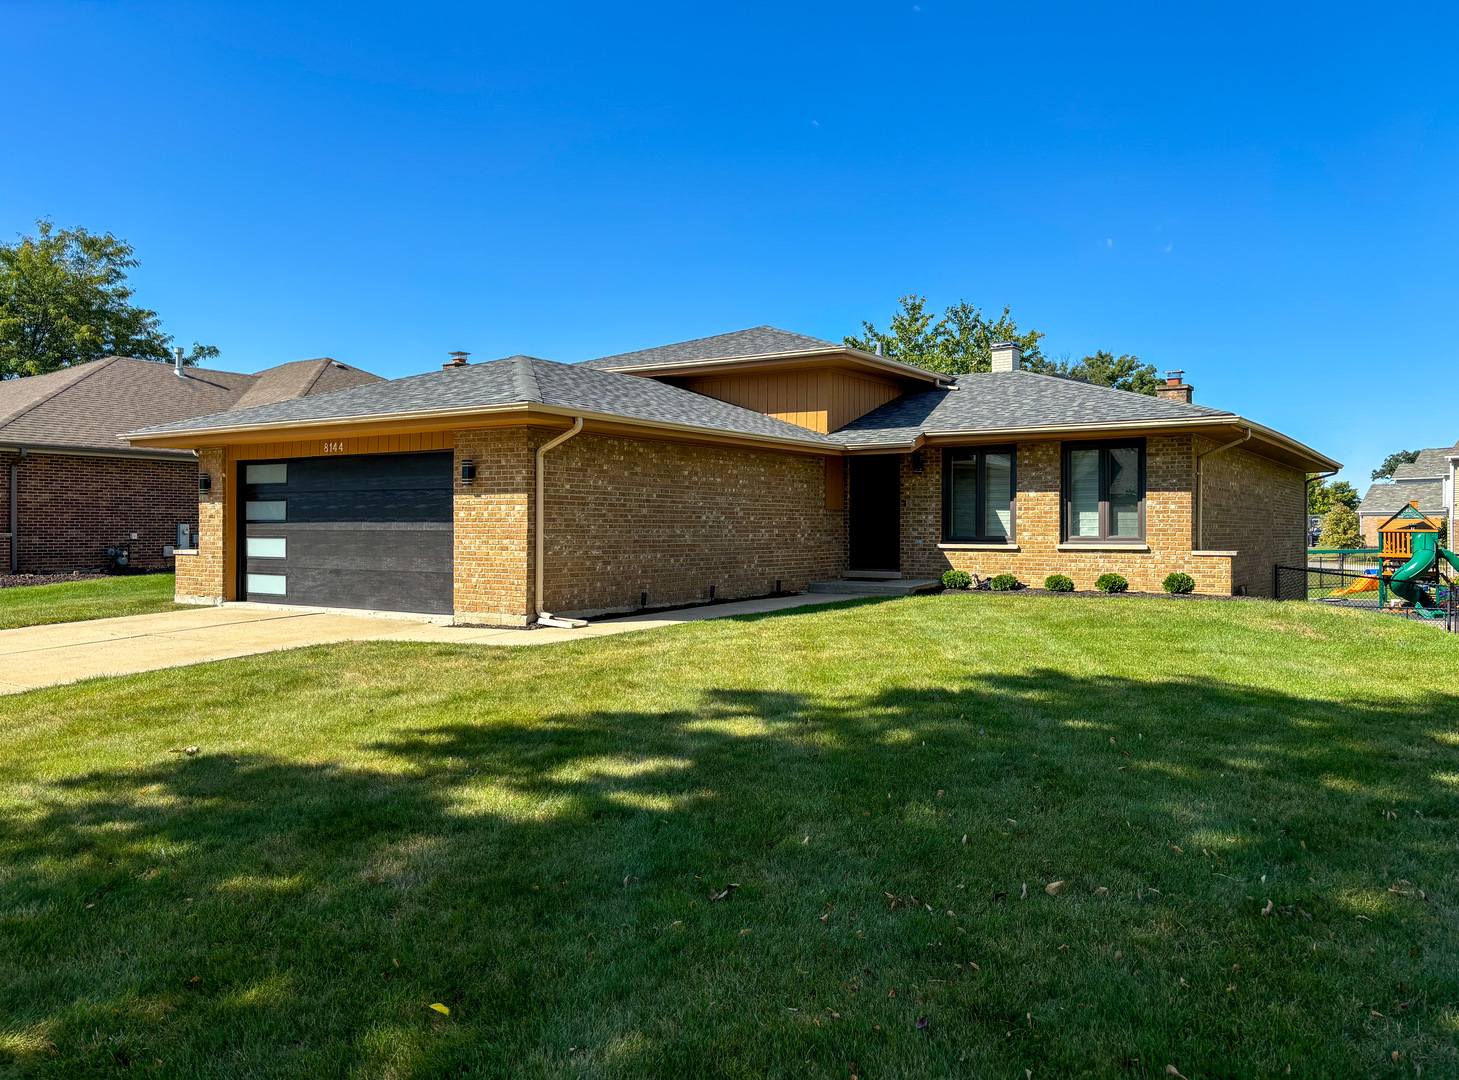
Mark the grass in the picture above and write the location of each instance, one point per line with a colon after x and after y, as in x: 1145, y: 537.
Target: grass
x: 72, y: 601
x: 1254, y: 810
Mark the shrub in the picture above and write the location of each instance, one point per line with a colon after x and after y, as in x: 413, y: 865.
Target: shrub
x: 1179, y: 584
x: 1111, y: 583
x: 1004, y: 582
x: 1341, y: 528
x: 957, y: 579
x: 1058, y: 583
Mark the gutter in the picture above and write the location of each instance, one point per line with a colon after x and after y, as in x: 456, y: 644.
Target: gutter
x: 825, y: 446
x: 937, y: 378
x: 1201, y: 487
x: 546, y: 618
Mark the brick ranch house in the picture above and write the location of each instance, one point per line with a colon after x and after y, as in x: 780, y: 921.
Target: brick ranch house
x: 70, y: 488
x: 730, y: 466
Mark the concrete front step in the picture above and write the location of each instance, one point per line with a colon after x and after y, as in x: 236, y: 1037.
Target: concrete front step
x: 900, y: 587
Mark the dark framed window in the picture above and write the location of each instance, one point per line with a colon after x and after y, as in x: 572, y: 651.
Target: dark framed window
x: 1104, y: 491
x: 979, y: 485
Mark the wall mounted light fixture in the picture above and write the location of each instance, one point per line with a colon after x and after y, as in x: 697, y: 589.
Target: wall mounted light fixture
x: 468, y: 473
x: 205, y: 483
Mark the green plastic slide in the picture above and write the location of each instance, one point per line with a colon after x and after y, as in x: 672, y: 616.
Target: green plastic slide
x: 1426, y: 552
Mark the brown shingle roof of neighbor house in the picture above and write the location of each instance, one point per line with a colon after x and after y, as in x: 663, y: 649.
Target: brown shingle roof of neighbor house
x: 1387, y: 499
x: 87, y: 407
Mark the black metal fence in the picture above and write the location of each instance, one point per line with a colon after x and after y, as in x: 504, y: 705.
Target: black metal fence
x: 1352, y: 588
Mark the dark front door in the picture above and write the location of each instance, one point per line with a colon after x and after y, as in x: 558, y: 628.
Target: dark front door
x: 369, y: 531
x: 876, y: 512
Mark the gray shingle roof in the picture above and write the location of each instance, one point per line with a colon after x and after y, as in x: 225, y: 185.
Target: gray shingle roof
x: 1010, y: 400
x: 1431, y: 464
x: 1388, y: 499
x: 517, y: 379
x: 758, y: 341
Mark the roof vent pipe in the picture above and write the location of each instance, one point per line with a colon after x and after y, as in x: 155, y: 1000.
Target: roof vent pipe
x: 177, y: 351
x: 878, y: 348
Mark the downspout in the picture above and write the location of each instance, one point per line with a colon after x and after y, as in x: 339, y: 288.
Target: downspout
x: 1201, y: 488
x: 15, y: 517
x: 1318, y: 477
x: 545, y: 618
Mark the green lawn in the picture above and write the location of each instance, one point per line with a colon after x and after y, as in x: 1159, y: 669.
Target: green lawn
x: 72, y: 601
x: 1254, y: 809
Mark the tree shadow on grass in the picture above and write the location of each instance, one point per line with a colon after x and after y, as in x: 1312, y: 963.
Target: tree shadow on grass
x: 550, y: 880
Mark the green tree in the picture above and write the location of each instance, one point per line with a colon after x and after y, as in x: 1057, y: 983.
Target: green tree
x: 1322, y: 496
x: 960, y: 342
x: 956, y: 343
x: 64, y: 300
x: 1341, y: 528
x: 1105, y: 369
x: 1392, y: 461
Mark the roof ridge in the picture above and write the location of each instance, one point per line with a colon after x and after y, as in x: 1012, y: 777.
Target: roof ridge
x: 525, y: 379
x: 90, y: 368
x: 321, y: 365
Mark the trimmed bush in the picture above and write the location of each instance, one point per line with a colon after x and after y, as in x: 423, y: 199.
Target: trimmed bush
x: 1004, y: 583
x: 1111, y: 583
x: 1179, y: 584
x: 957, y: 579
x: 1058, y: 583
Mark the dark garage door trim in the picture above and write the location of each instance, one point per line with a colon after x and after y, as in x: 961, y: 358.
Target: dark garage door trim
x: 357, y: 531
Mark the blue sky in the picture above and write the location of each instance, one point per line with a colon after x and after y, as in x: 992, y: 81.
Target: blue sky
x: 1262, y: 195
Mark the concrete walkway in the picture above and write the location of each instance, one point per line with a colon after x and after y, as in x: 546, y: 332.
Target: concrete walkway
x: 36, y: 656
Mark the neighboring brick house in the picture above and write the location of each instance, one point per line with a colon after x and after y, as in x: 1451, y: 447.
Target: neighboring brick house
x: 1427, y: 480
x: 731, y: 466
x: 71, y: 488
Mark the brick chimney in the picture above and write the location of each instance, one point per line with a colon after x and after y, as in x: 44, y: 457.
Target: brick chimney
x: 458, y: 359
x: 1007, y: 356
x: 1175, y: 388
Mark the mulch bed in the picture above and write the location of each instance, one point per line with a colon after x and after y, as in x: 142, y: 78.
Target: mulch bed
x: 1095, y: 594
x: 11, y: 581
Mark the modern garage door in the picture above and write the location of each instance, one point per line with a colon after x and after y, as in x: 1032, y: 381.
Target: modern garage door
x: 369, y: 531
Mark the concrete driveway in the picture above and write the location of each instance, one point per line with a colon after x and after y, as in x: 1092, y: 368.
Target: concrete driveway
x: 35, y: 656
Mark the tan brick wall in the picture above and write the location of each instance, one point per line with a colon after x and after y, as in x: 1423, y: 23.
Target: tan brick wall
x: 629, y: 516
x: 201, y: 577
x: 1257, y: 507
x: 73, y: 508
x: 493, y: 525
x: 1169, y: 476
x: 1369, y: 524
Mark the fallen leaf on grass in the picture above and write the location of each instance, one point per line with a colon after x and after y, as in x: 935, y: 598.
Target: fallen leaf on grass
x: 1101, y: 891
x: 745, y: 931
x: 188, y: 750
x: 826, y: 917
x: 1024, y: 894
x: 1268, y: 909
x: 1363, y: 917
x: 1171, y: 1070
x: 1375, y: 1012
x: 1053, y: 887
x: 965, y: 838
x: 834, y: 1014
x: 443, y: 1010
x: 1119, y: 955
x: 921, y: 1023
x: 725, y: 892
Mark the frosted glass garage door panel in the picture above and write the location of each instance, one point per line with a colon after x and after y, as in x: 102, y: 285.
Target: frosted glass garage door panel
x: 266, y: 474
x: 266, y: 510
x: 268, y: 547
x: 268, y: 584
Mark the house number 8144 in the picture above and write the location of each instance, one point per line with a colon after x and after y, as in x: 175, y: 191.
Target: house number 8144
x: 334, y: 448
